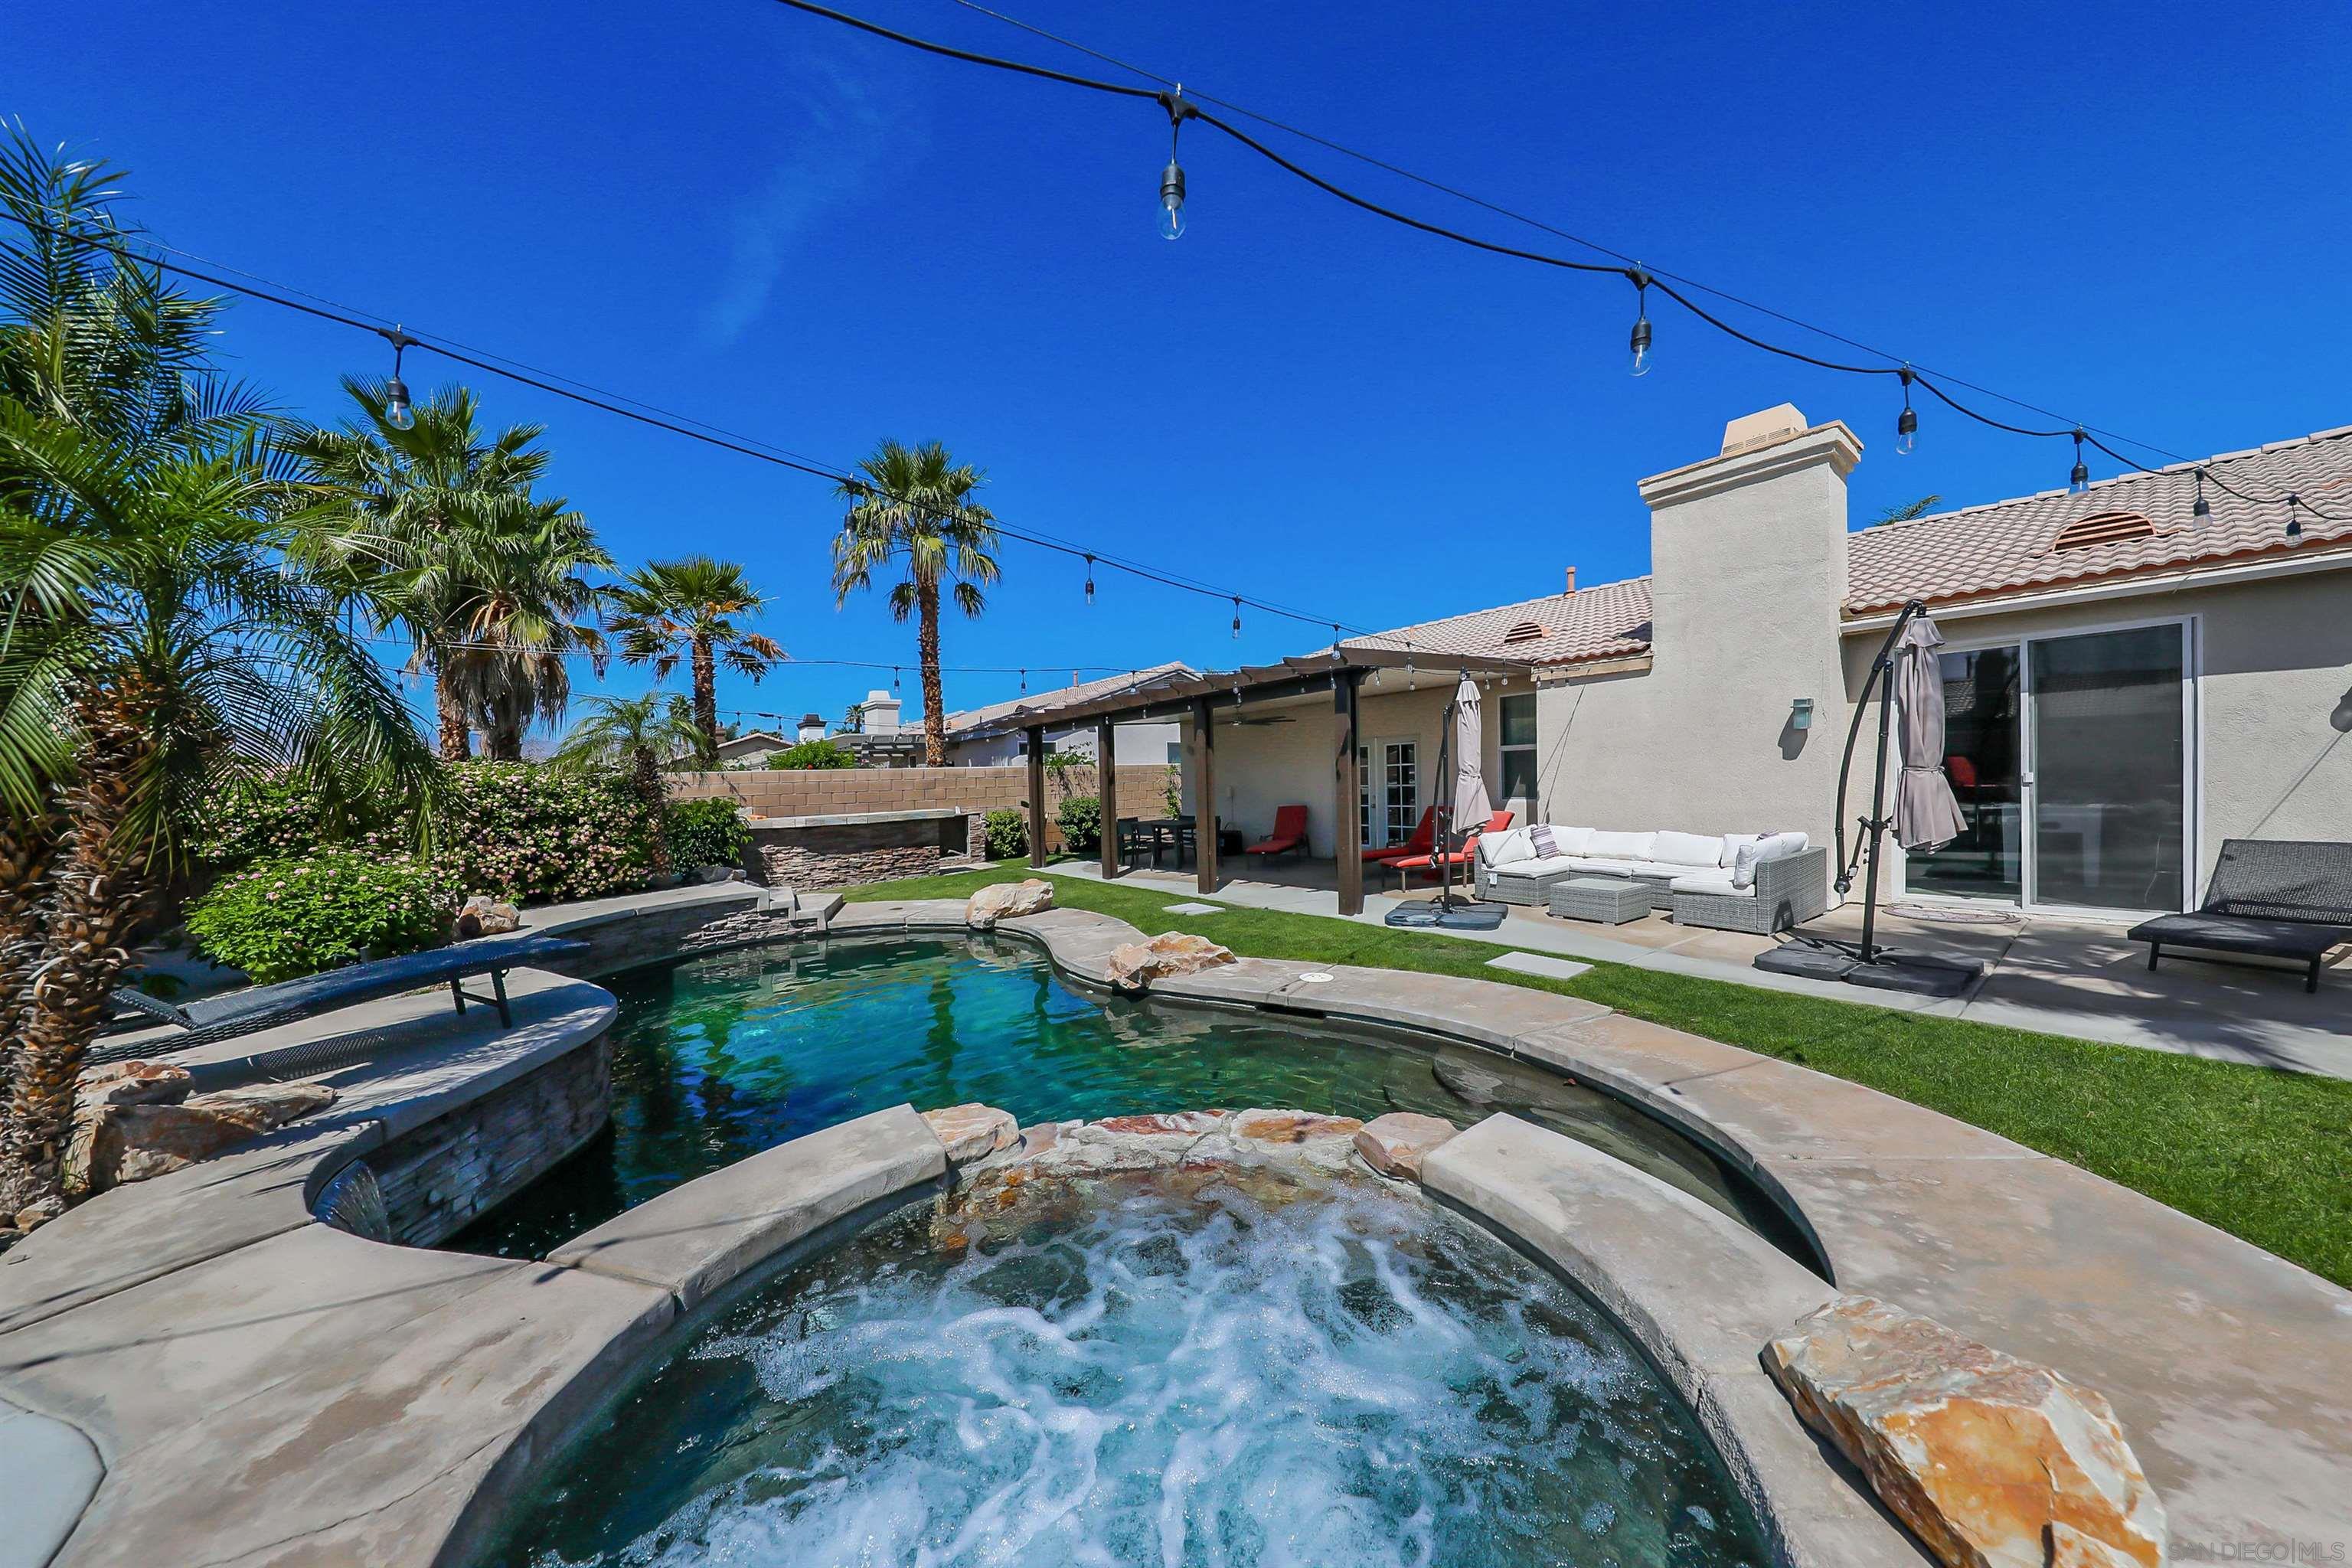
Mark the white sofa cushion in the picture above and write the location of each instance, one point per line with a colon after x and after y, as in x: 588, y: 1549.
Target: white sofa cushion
x: 1712, y: 880
x: 1507, y: 848
x: 1539, y: 870
x: 1618, y: 846
x: 1771, y: 846
x: 1606, y: 866
x: 1571, y: 840
x: 1731, y: 844
x: 1686, y: 849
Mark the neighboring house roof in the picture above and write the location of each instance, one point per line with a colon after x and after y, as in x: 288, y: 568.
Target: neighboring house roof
x: 2133, y: 525
x: 974, y: 723
x: 2014, y: 545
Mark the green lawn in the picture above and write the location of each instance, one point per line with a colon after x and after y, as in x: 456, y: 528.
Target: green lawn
x: 2263, y: 1156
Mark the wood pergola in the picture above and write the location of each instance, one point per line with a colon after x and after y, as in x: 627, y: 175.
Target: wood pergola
x: 1198, y: 698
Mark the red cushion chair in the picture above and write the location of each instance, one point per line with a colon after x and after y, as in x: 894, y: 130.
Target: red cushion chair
x: 1289, y: 835
x: 1423, y: 839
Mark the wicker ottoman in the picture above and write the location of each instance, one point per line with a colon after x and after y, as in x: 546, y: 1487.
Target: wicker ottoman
x: 1612, y: 900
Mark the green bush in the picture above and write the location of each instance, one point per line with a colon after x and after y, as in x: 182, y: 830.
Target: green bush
x: 1006, y: 832
x: 279, y: 919
x: 528, y: 833
x: 813, y: 754
x: 704, y: 833
x: 1080, y: 818
x: 273, y: 818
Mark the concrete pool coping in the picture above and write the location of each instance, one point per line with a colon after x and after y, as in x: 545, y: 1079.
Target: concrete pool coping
x: 282, y: 1392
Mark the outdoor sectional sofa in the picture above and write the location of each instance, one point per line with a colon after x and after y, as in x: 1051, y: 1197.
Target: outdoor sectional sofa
x: 1759, y: 882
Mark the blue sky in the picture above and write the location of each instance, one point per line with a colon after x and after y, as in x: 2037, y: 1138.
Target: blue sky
x: 2132, y: 214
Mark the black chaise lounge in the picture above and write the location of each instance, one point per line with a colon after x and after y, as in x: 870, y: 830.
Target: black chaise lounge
x: 2274, y: 897
x: 225, y: 1017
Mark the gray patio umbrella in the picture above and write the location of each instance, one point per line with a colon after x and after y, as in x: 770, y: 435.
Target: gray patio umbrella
x: 1467, y: 796
x: 1926, y: 815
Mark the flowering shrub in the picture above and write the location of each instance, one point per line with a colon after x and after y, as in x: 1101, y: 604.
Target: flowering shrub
x: 277, y: 817
x: 1080, y: 818
x: 528, y: 833
x: 704, y: 833
x: 283, y: 918
x: 1006, y: 832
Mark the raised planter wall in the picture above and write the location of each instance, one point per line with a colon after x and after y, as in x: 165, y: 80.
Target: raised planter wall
x: 845, y: 850
x: 761, y: 792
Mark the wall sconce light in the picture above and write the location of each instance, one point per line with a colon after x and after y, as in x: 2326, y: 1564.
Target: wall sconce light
x: 1801, y: 713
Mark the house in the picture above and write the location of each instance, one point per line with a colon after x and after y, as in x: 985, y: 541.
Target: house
x: 994, y: 736
x: 751, y: 749
x: 2130, y: 676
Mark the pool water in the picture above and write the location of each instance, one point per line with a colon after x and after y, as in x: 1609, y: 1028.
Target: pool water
x: 718, y: 1058
x: 1345, y: 1376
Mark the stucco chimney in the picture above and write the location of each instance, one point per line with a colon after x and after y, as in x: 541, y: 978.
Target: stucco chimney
x: 811, y: 727
x: 881, y: 714
x: 1571, y: 582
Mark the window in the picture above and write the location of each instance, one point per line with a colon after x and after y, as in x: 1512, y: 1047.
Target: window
x: 1519, y: 747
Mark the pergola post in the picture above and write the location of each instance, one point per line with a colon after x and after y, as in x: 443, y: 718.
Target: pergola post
x: 1106, y: 791
x: 1036, y: 794
x: 1202, y: 745
x: 1347, y: 803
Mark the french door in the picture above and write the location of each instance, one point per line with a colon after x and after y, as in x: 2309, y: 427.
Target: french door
x: 1387, y: 774
x: 2072, y: 759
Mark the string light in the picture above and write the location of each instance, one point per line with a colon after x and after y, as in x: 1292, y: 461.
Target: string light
x: 1171, y: 178
x: 1090, y: 579
x: 1906, y: 424
x: 2079, y: 478
x: 1640, y: 281
x: 894, y: 679
x: 2293, y: 523
x: 1237, y: 616
x: 398, y: 411
x: 1024, y: 680
x: 2203, y: 509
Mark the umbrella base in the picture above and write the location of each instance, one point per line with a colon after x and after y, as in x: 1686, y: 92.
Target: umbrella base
x: 1908, y: 973
x: 1458, y: 914
x: 1807, y: 963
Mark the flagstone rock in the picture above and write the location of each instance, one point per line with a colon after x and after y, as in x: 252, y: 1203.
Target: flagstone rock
x: 1291, y: 1126
x: 1396, y: 1143
x: 1134, y: 965
x: 1002, y: 900
x: 119, y: 1144
x: 972, y: 1132
x: 1992, y: 1461
x: 131, y: 1083
x: 482, y: 915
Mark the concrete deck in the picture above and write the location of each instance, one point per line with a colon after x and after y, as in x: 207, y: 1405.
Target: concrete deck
x: 2058, y: 977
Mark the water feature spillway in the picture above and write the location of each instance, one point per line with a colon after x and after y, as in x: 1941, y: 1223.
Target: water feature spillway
x: 1153, y: 1368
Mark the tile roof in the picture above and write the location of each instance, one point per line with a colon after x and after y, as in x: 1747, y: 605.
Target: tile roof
x: 1976, y: 553
x: 1608, y: 620
x: 2005, y: 547
x: 976, y: 720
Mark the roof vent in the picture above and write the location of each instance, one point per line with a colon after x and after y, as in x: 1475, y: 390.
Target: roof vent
x: 1526, y: 631
x: 2103, y: 528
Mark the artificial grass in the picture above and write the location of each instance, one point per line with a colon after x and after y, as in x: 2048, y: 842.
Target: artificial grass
x: 2261, y: 1154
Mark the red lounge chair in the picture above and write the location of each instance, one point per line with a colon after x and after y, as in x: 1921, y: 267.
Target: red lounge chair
x: 1423, y: 839
x: 1289, y: 836
x: 1499, y: 822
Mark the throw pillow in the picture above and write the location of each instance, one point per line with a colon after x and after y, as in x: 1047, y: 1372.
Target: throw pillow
x: 1545, y: 845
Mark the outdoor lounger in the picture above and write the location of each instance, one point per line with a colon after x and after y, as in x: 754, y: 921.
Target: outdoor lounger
x: 1289, y: 835
x: 2270, y: 897
x: 236, y: 1012
x: 1423, y: 840
x: 1404, y: 868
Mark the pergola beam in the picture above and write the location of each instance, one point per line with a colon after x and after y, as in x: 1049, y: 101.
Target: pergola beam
x: 1106, y: 793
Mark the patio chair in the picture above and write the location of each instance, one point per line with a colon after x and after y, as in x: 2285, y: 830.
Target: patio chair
x: 2271, y: 898
x: 1423, y: 840
x: 1289, y: 835
x: 1500, y: 822
x: 211, y: 1019
x: 1137, y: 843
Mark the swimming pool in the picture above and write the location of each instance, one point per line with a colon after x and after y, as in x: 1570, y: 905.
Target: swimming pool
x: 717, y: 1057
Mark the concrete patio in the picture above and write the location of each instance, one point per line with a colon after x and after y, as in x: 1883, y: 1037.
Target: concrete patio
x: 2060, y: 977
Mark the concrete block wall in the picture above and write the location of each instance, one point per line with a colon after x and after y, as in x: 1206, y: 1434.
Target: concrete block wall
x: 764, y: 792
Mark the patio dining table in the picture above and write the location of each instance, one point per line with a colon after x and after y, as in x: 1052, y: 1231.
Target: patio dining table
x: 1177, y: 835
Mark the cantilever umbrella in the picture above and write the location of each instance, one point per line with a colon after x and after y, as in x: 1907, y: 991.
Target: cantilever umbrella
x: 1926, y: 815
x: 1467, y: 806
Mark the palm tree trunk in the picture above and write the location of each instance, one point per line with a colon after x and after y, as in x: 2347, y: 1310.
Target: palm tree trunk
x: 503, y: 744
x: 457, y: 734
x: 927, y: 651
x: 98, y: 901
x: 706, y: 700
x: 25, y: 846
x: 650, y: 795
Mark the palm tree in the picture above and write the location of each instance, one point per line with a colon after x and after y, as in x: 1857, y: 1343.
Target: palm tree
x: 487, y: 580
x: 689, y: 607
x: 915, y: 505
x: 155, y: 647
x: 638, y: 733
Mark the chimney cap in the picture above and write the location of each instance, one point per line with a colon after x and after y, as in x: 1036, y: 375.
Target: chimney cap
x: 1766, y: 425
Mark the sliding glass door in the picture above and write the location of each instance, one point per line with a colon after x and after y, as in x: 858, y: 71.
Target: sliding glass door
x: 2069, y: 756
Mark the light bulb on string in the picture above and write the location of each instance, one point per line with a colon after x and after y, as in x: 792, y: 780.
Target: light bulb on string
x: 1171, y: 178
x: 894, y: 679
x: 1640, y: 340
x: 2078, y: 479
x: 398, y: 411
x: 1090, y: 579
x: 1237, y: 616
x: 1024, y: 680
x: 2293, y: 522
x: 2202, y: 508
x: 1906, y: 424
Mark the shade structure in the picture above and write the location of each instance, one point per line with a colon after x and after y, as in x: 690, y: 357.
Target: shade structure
x: 1926, y: 815
x: 1466, y: 791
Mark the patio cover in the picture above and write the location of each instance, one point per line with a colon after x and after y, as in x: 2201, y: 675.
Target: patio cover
x: 1173, y: 695
x: 1926, y: 815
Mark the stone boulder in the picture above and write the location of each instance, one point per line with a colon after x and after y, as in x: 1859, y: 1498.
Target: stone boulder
x: 1993, y: 1462
x: 1290, y: 1126
x: 482, y: 915
x: 118, y: 1144
x: 713, y: 874
x: 1002, y: 900
x: 972, y: 1132
x: 1134, y: 965
x: 131, y: 1083
x: 1395, y: 1143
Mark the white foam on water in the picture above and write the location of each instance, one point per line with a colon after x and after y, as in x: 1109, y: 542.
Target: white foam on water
x: 1347, y: 1382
